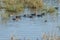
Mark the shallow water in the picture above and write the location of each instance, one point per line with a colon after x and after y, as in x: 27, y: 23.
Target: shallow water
x: 30, y: 28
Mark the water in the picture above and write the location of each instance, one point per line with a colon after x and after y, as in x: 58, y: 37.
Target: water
x: 29, y: 28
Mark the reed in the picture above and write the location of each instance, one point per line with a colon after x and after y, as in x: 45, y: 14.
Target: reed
x: 50, y: 37
x: 16, y: 7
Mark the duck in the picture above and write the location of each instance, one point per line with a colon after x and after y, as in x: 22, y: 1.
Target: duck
x: 24, y: 15
x: 18, y: 18
x: 43, y: 14
x: 13, y: 19
x: 45, y: 21
x: 30, y: 16
x: 56, y: 8
x: 39, y: 15
x: 33, y: 14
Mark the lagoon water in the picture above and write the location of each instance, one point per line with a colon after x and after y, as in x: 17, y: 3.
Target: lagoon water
x: 29, y: 28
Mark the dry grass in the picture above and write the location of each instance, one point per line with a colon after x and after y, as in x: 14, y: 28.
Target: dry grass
x: 50, y: 37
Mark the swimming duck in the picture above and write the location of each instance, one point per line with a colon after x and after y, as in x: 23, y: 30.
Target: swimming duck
x: 18, y: 18
x: 13, y: 19
x: 43, y: 14
x: 33, y: 14
x: 45, y: 21
x: 30, y: 16
x: 39, y: 15
x: 56, y: 8
x: 24, y: 15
